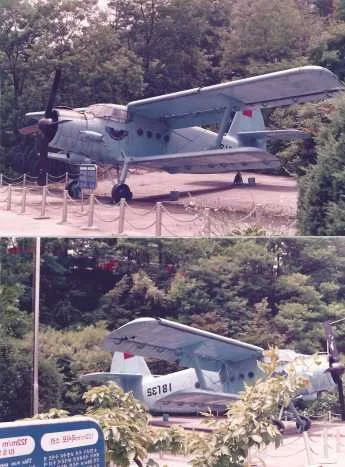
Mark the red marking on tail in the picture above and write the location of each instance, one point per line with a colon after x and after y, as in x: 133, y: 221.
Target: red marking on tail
x: 248, y: 113
x: 127, y: 355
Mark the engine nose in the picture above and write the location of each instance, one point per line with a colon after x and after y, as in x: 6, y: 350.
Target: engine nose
x: 49, y: 125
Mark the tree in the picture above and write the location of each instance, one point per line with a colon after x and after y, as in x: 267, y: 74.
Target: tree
x: 321, y: 204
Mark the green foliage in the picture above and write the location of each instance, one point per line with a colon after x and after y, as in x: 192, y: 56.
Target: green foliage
x: 124, y: 422
x: 248, y: 421
x: 320, y: 208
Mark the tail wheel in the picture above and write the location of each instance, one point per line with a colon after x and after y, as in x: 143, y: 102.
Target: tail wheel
x: 121, y: 191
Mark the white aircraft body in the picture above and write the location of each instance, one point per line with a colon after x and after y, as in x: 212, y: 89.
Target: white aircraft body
x: 217, y: 369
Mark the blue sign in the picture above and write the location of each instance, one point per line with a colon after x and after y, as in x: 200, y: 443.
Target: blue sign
x: 88, y: 176
x: 67, y: 442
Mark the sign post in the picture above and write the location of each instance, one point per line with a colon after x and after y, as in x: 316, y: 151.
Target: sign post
x: 65, y: 442
x: 88, y: 176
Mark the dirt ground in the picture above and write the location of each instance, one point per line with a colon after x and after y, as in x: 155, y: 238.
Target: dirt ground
x: 322, y: 450
x: 269, y: 204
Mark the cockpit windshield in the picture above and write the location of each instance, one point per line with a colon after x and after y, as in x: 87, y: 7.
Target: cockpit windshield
x: 116, y: 113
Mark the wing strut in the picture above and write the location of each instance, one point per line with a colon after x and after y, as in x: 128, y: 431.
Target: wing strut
x: 199, y: 373
x: 224, y: 123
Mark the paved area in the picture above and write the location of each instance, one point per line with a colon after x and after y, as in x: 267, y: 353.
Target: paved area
x: 271, y: 203
x: 314, y: 450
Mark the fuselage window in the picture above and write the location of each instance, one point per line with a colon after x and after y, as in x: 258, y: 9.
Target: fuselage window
x: 140, y: 132
x: 149, y: 134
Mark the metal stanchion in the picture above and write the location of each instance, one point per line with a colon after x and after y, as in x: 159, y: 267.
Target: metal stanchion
x: 325, y: 449
x: 64, y: 208
x: 1, y: 179
x: 90, y: 224
x: 66, y: 178
x: 43, y: 204
x: 207, y: 228
x: 122, y: 216
x: 9, y: 198
x: 23, y: 204
x: 159, y: 215
x: 24, y: 180
x: 47, y: 178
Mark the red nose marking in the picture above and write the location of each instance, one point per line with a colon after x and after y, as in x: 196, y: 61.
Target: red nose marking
x: 248, y: 113
x: 127, y: 355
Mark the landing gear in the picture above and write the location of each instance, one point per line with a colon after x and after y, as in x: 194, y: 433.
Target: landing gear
x: 74, y: 189
x: 302, y: 424
x: 279, y: 424
x: 238, y: 180
x: 121, y: 191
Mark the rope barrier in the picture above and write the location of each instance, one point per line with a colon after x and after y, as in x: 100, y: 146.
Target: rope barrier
x: 9, y: 198
x: 115, y: 219
x: 140, y: 228
x: 142, y: 214
x: 103, y: 204
x: 182, y: 221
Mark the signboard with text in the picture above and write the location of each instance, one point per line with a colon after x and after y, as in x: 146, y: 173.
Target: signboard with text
x: 67, y: 442
x: 88, y: 176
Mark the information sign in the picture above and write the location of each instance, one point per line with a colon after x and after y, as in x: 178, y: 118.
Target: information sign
x: 67, y: 442
x: 88, y: 176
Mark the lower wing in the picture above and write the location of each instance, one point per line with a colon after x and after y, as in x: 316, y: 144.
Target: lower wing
x: 211, y: 161
x: 202, y: 397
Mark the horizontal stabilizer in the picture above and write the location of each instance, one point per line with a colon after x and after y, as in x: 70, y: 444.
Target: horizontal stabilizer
x: 275, y: 134
x: 125, y: 381
x: 211, y: 161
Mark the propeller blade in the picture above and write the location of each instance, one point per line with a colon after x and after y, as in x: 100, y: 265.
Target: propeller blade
x: 53, y: 92
x: 336, y: 368
x: 339, y: 383
x: 332, y: 349
x: 43, y: 161
x: 29, y: 130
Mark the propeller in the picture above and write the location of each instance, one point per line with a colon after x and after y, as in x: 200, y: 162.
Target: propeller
x: 336, y: 368
x: 48, y: 127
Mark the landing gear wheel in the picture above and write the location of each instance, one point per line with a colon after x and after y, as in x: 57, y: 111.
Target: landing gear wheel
x: 73, y: 189
x: 279, y: 424
x: 121, y: 191
x: 303, y: 424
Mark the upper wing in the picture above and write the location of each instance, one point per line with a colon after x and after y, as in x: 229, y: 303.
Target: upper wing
x: 170, y: 341
x: 219, y: 160
x: 206, y: 105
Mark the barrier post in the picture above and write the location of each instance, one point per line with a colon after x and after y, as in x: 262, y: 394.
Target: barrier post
x: 66, y: 178
x: 47, y: 178
x: 90, y: 224
x: 307, y: 448
x: 325, y: 449
x: 207, y: 226
x: 64, y: 208
x: 9, y: 198
x: 159, y: 214
x: 24, y: 194
x: 24, y: 180
x: 337, y: 441
x: 43, y: 204
x: 1, y: 179
x: 122, y: 216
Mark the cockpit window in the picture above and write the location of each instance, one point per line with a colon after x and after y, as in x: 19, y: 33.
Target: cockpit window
x: 111, y: 112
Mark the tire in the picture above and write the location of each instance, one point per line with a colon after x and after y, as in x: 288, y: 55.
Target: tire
x: 42, y: 178
x: 303, y: 424
x: 73, y: 189
x: 121, y: 191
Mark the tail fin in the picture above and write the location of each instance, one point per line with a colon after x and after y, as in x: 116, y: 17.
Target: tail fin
x: 128, y: 364
x: 247, y: 120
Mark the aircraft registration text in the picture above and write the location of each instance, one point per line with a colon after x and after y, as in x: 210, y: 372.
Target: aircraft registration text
x: 159, y: 389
